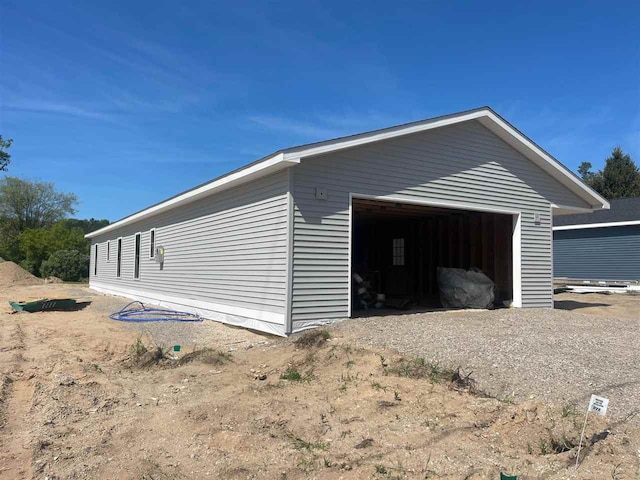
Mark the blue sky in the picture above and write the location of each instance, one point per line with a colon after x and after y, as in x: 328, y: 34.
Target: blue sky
x: 127, y: 103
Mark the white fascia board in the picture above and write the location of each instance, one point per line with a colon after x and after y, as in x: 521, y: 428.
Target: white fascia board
x: 596, y: 225
x: 569, y: 210
x: 261, y: 169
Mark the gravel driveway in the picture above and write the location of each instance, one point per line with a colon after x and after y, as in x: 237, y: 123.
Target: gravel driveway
x: 563, y: 356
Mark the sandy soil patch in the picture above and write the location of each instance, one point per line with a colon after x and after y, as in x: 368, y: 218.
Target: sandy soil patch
x: 615, y: 305
x: 78, y: 401
x: 526, y: 354
x: 12, y: 275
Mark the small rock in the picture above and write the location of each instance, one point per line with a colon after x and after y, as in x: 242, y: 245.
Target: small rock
x: 66, y: 381
x: 262, y: 376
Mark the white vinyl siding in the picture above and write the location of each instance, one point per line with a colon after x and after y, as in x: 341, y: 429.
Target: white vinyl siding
x: 464, y: 163
x: 229, y: 248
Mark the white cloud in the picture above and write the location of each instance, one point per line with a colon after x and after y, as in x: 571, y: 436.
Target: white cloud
x: 60, y: 108
x: 305, y: 129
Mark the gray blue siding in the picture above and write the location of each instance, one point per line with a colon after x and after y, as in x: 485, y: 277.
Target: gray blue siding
x: 228, y: 249
x: 610, y: 253
x: 462, y: 163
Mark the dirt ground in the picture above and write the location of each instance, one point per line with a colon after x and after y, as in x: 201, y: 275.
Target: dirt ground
x: 79, y: 398
x: 557, y: 355
x: 614, y: 305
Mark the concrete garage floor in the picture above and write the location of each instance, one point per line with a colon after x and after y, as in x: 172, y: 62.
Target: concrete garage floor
x: 589, y: 344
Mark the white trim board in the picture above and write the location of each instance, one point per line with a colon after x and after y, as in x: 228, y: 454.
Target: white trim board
x: 516, y: 236
x: 263, y: 321
x: 292, y: 156
x: 597, y: 225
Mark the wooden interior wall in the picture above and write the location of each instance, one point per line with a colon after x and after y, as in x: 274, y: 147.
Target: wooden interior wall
x: 458, y: 240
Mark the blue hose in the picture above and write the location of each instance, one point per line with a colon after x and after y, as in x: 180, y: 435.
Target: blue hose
x: 146, y: 314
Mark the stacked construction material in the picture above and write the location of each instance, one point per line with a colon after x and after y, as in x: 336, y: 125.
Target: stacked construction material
x: 366, y: 296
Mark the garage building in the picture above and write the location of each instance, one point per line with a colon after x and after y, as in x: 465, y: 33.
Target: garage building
x: 274, y: 245
x: 599, y: 246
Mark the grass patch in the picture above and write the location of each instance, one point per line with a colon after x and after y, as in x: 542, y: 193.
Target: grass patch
x: 381, y: 469
x: 292, y: 374
x: 206, y: 355
x: 569, y: 411
x: 313, y: 338
x: 138, y: 349
x: 419, y: 368
x: 143, y: 356
x: 301, y: 444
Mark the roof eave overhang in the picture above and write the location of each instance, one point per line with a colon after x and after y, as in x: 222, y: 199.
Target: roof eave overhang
x: 265, y: 167
x: 495, y: 124
x: 292, y: 156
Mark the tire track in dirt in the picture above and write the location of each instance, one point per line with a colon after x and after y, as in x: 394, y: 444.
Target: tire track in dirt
x: 16, y: 397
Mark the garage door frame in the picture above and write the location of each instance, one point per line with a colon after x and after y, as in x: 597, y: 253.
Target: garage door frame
x: 516, y: 235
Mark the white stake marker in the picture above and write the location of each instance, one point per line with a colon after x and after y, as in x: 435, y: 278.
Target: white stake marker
x: 597, y: 405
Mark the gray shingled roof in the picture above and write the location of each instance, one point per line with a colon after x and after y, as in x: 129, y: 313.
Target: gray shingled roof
x: 622, y: 210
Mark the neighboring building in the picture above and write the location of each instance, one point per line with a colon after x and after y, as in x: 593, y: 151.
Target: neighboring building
x: 601, y: 246
x: 273, y: 246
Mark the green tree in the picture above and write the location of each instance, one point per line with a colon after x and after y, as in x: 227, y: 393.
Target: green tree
x: 25, y: 204
x: 37, y: 244
x: 5, y: 157
x: 87, y: 226
x: 620, y: 177
x: 69, y: 265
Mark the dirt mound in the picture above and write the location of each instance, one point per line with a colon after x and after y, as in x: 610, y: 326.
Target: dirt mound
x: 12, y: 275
x: 53, y: 280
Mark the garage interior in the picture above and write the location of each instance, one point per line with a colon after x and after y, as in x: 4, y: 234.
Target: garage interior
x: 397, y: 248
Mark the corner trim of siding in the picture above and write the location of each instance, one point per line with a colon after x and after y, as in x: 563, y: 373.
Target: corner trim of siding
x: 516, y: 249
x: 349, y: 256
x: 288, y: 320
x: 269, y: 322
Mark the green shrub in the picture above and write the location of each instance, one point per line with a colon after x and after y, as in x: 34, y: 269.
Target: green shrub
x: 69, y: 265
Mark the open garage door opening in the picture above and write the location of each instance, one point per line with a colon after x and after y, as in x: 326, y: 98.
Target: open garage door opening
x: 398, y: 247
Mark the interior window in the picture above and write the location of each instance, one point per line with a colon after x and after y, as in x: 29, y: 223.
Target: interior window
x: 398, y: 251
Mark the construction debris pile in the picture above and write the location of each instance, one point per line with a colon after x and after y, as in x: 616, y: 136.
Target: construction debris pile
x: 460, y: 288
x: 367, y: 297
